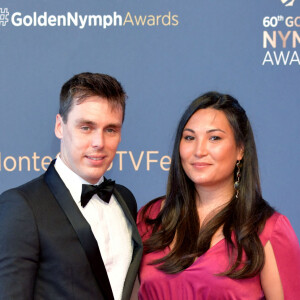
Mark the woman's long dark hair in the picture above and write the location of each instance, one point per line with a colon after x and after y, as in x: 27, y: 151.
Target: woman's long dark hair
x: 244, y: 217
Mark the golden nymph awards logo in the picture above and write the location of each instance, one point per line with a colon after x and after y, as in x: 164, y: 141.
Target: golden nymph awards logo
x: 288, y: 2
x: 75, y: 19
x: 281, y: 39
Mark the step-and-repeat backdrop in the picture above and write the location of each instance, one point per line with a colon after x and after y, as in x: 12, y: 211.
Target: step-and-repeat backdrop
x: 165, y: 53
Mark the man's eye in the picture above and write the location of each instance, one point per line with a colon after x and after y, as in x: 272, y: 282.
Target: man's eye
x: 110, y: 130
x: 85, y: 128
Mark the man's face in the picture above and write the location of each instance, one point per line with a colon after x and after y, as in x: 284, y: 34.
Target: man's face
x: 90, y: 137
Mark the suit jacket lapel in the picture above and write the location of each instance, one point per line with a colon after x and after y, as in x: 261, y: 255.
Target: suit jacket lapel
x: 81, y: 228
x: 137, y: 251
x: 135, y: 234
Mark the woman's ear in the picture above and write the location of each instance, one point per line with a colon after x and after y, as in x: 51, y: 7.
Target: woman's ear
x: 240, y: 153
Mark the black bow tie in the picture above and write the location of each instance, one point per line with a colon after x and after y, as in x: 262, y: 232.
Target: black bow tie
x: 103, y: 190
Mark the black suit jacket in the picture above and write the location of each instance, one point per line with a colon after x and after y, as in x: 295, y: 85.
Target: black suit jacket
x: 47, y: 248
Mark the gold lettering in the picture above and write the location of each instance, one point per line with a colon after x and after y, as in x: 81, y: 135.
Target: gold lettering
x: 121, y: 158
x: 284, y: 38
x: 157, y: 19
x: 272, y: 41
x: 136, y: 166
x: 295, y: 38
x: 35, y: 157
x: 5, y: 163
x: 165, y: 160
x: 20, y: 162
x: 174, y: 18
x: 168, y: 17
x: 46, y: 164
x: 151, y: 20
x: 150, y: 160
x: 128, y: 16
x: 140, y: 20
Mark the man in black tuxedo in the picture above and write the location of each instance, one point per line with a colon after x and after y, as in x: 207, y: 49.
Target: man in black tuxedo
x: 61, y: 235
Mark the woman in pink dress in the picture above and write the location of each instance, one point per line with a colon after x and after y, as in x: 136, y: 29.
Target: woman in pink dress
x: 213, y: 236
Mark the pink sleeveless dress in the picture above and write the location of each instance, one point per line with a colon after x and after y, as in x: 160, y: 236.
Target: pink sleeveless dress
x: 199, y: 280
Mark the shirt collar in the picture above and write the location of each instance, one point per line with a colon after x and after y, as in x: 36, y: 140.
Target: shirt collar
x: 72, y: 181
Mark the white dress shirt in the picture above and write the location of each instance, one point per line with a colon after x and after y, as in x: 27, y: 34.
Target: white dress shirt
x: 109, y: 225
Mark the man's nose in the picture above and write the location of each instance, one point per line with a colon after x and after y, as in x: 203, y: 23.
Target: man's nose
x: 98, y: 139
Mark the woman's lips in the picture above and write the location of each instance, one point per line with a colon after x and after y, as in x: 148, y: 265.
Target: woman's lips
x: 200, y: 164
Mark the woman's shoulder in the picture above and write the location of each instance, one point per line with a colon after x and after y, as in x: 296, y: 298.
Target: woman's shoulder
x: 277, y: 228
x: 284, y: 243
x: 149, y: 211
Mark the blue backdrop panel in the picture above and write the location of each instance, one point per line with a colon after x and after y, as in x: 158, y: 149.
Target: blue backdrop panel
x: 165, y: 53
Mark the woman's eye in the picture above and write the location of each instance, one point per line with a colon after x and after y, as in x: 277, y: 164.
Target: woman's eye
x: 189, y: 138
x: 214, y: 138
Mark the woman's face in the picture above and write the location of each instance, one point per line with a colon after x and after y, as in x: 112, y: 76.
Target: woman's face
x: 208, y: 150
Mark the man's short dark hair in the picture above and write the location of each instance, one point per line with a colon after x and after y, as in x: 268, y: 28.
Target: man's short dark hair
x: 84, y: 85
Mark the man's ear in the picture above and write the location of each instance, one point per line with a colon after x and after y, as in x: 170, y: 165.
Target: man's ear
x: 58, y: 129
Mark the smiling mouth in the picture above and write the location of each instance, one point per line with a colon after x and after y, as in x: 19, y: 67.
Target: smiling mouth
x: 95, y: 158
x: 201, y: 165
